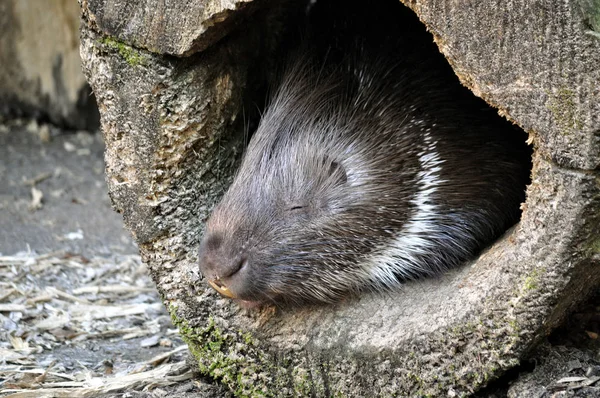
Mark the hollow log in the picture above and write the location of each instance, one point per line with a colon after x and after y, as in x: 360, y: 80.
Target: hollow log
x: 173, y: 84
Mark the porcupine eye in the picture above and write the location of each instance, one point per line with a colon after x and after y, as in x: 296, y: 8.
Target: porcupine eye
x: 338, y: 173
x: 334, y: 176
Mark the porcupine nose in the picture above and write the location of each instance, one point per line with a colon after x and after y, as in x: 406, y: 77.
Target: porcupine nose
x: 218, y: 264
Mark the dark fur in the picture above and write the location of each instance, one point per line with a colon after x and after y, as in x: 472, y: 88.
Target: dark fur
x: 341, y: 162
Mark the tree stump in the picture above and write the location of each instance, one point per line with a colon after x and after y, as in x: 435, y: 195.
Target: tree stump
x: 172, y: 83
x: 41, y: 68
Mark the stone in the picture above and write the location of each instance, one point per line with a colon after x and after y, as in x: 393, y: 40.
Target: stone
x: 41, y: 73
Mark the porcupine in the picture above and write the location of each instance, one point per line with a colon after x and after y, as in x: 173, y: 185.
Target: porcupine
x: 370, y: 166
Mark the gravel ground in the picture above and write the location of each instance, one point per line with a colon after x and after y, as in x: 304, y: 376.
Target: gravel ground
x: 79, y: 317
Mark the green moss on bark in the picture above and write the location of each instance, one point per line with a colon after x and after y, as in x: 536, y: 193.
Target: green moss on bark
x: 564, y: 110
x: 235, y: 360
x: 131, y: 55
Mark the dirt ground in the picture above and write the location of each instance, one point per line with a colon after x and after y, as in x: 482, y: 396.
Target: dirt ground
x: 79, y: 317
x: 74, y: 213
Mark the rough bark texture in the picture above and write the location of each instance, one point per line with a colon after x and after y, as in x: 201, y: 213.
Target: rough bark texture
x: 535, y: 61
x: 41, y: 69
x: 167, y: 27
x: 173, y: 131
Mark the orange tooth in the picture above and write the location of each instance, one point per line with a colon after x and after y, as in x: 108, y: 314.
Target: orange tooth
x: 221, y: 288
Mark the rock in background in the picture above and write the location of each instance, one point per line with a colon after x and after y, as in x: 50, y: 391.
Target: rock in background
x: 41, y: 68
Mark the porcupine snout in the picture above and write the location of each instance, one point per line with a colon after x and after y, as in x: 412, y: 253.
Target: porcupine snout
x: 224, y: 265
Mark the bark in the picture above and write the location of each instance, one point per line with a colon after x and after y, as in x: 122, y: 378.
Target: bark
x: 174, y: 131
